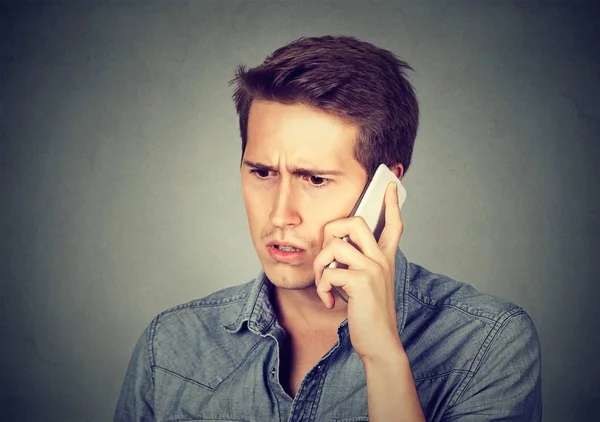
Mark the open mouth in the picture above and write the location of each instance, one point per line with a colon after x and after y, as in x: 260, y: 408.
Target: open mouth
x: 287, y: 248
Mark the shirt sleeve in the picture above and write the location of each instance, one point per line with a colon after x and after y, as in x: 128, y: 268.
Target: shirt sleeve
x: 506, y: 380
x: 135, y: 400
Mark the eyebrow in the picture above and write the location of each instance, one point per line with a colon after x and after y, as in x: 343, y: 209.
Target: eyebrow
x: 299, y: 171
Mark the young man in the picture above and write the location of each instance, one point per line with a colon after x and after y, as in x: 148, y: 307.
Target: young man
x: 316, y: 119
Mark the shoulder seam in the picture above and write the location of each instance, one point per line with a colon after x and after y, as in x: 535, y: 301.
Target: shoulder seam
x: 484, y: 349
x: 151, y: 357
x: 454, y: 306
x: 202, y: 303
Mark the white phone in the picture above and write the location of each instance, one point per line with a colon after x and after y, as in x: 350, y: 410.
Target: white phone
x: 371, y: 207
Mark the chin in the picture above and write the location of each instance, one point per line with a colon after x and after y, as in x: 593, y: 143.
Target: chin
x: 290, y: 278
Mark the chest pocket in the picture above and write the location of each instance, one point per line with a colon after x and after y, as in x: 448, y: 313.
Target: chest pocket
x: 207, y: 365
x: 216, y: 391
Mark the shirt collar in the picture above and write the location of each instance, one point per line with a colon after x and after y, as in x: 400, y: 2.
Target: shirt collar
x: 258, y: 313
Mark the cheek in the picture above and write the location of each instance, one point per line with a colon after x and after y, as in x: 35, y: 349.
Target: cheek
x: 256, y: 203
x: 248, y: 193
x: 315, y: 217
x: 329, y: 208
x: 327, y: 211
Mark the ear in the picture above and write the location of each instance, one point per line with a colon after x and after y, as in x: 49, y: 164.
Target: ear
x: 398, y: 170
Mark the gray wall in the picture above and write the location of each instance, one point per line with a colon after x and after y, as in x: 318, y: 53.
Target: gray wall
x: 120, y: 178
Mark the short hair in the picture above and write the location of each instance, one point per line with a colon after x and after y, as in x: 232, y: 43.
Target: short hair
x: 347, y: 78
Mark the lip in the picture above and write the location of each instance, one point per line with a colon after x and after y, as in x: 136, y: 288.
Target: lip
x: 283, y: 256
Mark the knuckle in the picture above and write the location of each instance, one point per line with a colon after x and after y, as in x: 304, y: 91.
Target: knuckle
x: 337, y: 242
x: 358, y: 221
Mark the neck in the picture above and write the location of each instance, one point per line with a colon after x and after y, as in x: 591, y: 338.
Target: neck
x: 305, y: 308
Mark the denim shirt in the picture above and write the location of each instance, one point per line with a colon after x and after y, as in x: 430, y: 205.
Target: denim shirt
x: 474, y: 357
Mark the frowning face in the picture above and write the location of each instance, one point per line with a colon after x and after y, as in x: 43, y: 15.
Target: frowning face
x: 298, y: 173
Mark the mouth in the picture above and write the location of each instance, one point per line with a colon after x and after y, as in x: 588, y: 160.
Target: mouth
x: 284, y: 246
x: 285, y: 252
x: 287, y: 248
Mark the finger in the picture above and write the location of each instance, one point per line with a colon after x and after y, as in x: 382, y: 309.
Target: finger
x: 392, y: 231
x: 324, y: 291
x: 340, y: 251
x: 349, y: 280
x: 359, y: 234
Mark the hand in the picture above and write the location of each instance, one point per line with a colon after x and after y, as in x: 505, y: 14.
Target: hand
x: 368, y: 281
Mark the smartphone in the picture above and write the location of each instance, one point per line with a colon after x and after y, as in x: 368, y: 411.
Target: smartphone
x: 371, y: 207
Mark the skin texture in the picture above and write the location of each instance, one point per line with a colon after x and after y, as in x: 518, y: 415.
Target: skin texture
x: 309, y: 210
x: 290, y: 207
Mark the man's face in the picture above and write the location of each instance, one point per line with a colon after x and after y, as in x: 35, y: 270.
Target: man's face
x: 298, y: 174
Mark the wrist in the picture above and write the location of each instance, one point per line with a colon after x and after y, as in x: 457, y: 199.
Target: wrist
x: 393, y: 356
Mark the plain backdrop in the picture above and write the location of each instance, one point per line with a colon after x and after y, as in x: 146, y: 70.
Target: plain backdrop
x: 120, y: 174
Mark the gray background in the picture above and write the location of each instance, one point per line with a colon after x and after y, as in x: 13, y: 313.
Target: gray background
x: 120, y: 179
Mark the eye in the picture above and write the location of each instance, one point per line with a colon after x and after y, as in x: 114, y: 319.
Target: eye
x: 316, y: 181
x: 261, y: 174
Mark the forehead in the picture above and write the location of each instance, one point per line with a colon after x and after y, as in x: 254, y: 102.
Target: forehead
x: 298, y: 134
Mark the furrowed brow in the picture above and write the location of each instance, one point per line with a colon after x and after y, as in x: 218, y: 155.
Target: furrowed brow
x: 258, y: 166
x: 301, y: 171
x: 321, y: 172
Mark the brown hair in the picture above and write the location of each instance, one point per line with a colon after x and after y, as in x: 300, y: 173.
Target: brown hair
x: 347, y: 78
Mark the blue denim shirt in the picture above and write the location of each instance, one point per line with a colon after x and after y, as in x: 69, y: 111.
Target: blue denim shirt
x: 474, y: 357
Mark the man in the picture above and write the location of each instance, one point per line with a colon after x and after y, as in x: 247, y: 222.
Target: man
x: 316, y: 119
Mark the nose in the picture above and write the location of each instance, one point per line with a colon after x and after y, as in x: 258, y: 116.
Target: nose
x: 284, y: 213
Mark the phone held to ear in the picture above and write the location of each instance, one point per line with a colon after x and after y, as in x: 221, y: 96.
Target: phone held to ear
x: 371, y: 207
